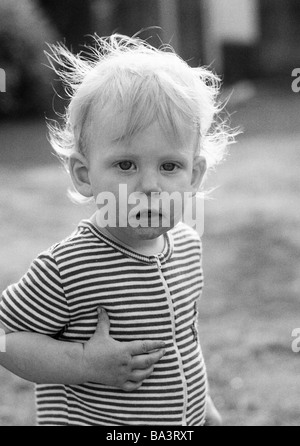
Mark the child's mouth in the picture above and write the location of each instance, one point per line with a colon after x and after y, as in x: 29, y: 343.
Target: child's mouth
x: 149, y: 214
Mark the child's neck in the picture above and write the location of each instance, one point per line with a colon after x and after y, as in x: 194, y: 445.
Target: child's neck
x: 144, y: 247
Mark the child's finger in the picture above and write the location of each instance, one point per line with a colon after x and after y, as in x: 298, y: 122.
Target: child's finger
x: 130, y: 386
x: 103, y: 323
x: 138, y: 376
x: 143, y: 362
x: 143, y: 347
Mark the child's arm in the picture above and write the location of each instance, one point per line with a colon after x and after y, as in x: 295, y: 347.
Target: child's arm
x: 213, y: 417
x: 41, y: 359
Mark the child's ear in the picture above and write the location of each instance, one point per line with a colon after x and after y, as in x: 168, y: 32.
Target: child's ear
x: 199, y: 169
x: 78, y: 167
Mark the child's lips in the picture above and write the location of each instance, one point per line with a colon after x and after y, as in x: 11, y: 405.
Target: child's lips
x: 148, y: 213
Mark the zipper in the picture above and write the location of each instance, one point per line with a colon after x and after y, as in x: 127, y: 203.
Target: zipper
x: 181, y: 369
x: 158, y: 262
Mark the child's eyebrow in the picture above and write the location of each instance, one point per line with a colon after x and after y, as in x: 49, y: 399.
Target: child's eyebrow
x: 179, y: 156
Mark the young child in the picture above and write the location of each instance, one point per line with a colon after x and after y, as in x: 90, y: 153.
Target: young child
x: 144, y: 119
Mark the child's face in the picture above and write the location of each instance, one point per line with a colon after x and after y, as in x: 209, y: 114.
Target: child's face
x: 148, y: 164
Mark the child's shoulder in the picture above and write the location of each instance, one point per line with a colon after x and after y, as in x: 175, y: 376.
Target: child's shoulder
x: 182, y: 231
x: 67, y: 253
x: 80, y: 238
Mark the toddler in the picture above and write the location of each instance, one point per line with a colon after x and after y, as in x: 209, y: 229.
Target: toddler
x: 140, y: 123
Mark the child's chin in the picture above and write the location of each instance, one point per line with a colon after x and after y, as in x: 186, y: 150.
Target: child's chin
x: 149, y: 233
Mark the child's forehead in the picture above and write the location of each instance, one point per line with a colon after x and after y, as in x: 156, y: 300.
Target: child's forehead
x: 111, y: 133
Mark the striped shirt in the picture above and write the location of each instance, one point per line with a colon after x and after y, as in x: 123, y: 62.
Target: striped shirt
x: 146, y: 297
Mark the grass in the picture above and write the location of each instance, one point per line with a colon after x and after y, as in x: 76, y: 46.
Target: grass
x: 251, y: 258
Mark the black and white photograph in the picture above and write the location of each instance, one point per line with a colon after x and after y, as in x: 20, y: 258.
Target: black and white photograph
x: 150, y: 215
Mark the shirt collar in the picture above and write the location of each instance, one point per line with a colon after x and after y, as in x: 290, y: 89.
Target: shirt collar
x: 163, y: 256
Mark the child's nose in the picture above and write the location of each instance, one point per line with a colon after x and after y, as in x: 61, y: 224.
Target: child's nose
x: 148, y: 182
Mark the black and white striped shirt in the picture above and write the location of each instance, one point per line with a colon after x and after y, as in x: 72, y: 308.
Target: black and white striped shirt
x: 145, y: 297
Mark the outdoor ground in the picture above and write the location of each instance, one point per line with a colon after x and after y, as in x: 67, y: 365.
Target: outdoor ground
x: 250, y: 305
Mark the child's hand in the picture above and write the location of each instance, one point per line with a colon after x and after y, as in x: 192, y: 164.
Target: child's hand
x: 120, y: 364
x: 213, y: 418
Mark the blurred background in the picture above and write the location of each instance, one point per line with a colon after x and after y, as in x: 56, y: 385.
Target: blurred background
x: 250, y: 304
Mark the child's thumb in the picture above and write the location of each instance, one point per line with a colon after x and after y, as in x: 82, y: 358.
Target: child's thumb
x: 103, y: 323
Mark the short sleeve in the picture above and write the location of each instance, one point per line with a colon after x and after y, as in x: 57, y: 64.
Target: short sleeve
x: 37, y: 302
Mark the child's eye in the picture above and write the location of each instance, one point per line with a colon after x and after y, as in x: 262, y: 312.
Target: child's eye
x: 125, y: 165
x: 169, y: 167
